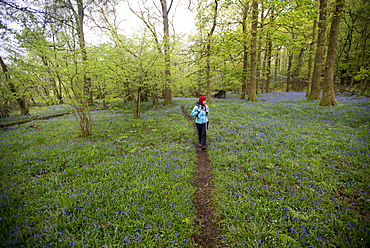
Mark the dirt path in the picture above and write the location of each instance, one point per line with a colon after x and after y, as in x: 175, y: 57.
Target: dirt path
x: 205, y: 223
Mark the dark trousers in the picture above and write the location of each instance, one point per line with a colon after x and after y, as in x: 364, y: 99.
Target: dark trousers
x: 202, y: 133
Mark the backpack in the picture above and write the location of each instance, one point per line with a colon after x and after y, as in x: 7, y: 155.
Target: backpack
x: 199, y: 106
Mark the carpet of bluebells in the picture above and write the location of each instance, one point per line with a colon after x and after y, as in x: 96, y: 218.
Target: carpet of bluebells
x: 130, y: 184
x: 290, y: 173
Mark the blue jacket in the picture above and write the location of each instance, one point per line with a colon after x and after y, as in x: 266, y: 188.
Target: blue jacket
x: 200, y: 113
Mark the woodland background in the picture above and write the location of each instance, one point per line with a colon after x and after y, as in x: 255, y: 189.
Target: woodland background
x: 242, y: 46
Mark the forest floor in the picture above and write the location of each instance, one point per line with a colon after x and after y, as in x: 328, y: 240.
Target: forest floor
x: 205, y: 222
x: 290, y: 174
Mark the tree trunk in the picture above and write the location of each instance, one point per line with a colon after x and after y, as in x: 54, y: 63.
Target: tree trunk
x: 312, y: 45
x: 155, y: 96
x: 253, y: 82
x: 13, y: 90
x: 136, y: 102
x: 268, y: 65
x: 59, y: 89
x: 208, y: 52
x: 262, y: 74
x: 87, y: 97
x: 289, y: 72
x: 244, y: 76
x: 269, y: 53
x: 328, y: 96
x: 208, y: 69
x: 315, y: 86
x: 261, y: 64
x: 167, y: 55
x: 83, y: 93
x: 296, y: 71
x: 245, y: 53
x: 277, y: 65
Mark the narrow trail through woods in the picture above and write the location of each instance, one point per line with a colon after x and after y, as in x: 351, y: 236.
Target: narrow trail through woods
x: 205, y: 221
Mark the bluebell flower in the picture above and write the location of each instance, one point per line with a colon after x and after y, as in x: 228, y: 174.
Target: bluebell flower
x: 304, y: 231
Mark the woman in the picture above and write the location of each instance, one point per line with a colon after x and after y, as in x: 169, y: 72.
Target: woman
x: 200, y: 111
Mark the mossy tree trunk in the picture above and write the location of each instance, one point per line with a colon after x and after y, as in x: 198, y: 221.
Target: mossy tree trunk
x: 315, y: 85
x: 328, y: 96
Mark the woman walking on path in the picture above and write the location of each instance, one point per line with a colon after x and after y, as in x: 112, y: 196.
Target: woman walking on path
x: 200, y: 111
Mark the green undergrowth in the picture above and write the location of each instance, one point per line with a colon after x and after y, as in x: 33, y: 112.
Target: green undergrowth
x: 290, y: 173
x: 130, y: 183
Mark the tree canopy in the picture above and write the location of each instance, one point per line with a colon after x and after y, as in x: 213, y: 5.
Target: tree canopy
x: 245, y: 46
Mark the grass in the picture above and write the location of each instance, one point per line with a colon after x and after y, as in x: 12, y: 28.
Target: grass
x: 129, y: 184
x: 288, y: 173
